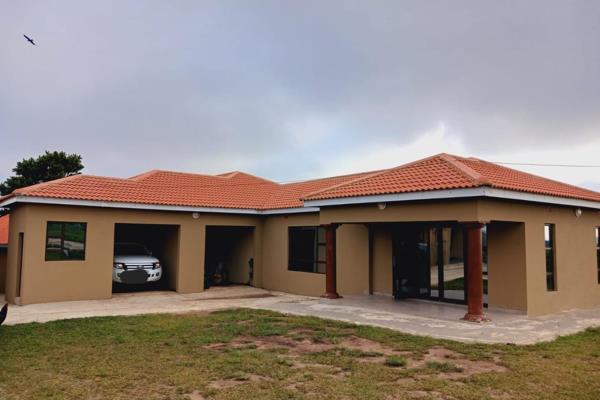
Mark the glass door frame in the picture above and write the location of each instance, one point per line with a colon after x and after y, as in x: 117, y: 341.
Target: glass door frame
x: 416, y: 229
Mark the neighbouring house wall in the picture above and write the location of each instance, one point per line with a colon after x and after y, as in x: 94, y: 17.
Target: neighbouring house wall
x: 352, y: 259
x: 2, y: 268
x: 275, y: 273
x: 507, y: 281
x: 576, y: 263
x: 45, y: 281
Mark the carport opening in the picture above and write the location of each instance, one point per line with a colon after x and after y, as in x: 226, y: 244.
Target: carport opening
x: 131, y: 242
x: 229, y: 256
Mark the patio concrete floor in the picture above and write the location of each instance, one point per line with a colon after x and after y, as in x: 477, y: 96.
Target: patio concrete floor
x: 417, y: 317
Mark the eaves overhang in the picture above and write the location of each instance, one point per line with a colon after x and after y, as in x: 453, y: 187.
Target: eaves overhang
x: 478, y: 192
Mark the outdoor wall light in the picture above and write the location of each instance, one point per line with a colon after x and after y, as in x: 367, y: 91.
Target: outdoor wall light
x: 381, y: 206
x: 195, y: 215
x: 578, y: 212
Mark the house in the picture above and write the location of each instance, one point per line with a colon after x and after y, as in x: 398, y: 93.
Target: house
x: 443, y: 228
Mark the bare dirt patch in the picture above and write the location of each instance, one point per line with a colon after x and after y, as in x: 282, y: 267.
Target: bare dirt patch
x: 229, y: 383
x: 294, y: 347
x: 464, y: 366
x: 369, y: 346
x: 196, y: 395
x: 422, y: 394
x: 439, y: 361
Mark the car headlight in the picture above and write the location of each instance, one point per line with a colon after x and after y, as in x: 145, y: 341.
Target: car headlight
x: 155, y: 265
x: 119, y: 266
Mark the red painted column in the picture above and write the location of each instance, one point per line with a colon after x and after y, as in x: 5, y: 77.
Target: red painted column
x: 474, y: 273
x: 330, y: 267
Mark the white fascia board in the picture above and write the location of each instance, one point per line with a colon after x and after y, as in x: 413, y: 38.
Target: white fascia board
x: 276, y: 211
x: 455, y: 194
x: 389, y: 198
x: 114, y: 204
x: 136, y: 206
x: 540, y: 198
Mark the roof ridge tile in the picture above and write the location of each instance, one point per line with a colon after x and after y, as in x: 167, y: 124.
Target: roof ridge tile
x: 470, y: 173
x: 377, y: 173
x: 475, y: 159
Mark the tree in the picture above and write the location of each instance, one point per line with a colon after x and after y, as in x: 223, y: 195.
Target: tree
x: 47, y: 167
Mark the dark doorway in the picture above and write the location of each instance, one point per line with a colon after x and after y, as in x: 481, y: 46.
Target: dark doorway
x: 428, y: 262
x: 160, y: 242
x: 229, y: 255
x: 410, y: 263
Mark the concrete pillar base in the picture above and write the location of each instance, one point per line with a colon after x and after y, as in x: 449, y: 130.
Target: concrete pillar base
x: 477, y: 318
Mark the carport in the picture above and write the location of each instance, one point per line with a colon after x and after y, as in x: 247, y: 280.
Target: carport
x: 163, y: 243
x: 229, y: 255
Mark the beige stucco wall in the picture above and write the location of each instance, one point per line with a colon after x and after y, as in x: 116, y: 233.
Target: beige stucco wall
x: 13, y: 280
x: 516, y: 250
x: 45, y: 281
x: 2, y: 269
x: 352, y: 261
x: 507, y: 280
x: 275, y: 274
x: 576, y: 273
x: 241, y: 252
x: 382, y: 261
x: 463, y: 210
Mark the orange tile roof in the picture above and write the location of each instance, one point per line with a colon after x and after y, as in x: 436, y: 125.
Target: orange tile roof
x: 244, y: 191
x: 445, y: 171
x: 4, y: 222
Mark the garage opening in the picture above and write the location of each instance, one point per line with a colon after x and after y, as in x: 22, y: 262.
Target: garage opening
x: 145, y: 257
x: 229, y: 255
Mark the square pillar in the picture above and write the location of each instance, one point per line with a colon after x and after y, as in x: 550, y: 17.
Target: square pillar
x: 474, y: 273
x: 330, y: 264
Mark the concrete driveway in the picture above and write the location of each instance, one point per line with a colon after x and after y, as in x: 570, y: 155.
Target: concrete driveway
x: 154, y: 302
x: 417, y: 317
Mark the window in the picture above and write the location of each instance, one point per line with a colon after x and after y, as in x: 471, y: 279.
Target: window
x: 65, y: 241
x: 307, y: 249
x: 549, y: 239
x: 598, y: 252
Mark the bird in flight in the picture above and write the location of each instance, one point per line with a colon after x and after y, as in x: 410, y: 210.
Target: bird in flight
x: 30, y: 40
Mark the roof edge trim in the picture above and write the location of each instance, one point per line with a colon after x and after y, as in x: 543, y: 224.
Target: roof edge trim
x: 483, y: 191
x: 155, y: 207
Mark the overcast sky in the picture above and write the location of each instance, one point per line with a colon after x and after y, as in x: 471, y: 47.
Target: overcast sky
x: 299, y: 89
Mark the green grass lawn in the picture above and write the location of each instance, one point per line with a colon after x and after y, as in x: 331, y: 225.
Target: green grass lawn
x: 248, y: 354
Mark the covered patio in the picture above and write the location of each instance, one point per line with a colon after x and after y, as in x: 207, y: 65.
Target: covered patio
x: 443, y: 320
x: 433, y: 260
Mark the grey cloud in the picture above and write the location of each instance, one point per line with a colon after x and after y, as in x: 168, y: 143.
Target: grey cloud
x: 215, y: 85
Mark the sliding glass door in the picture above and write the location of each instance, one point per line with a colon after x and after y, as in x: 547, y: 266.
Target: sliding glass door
x: 429, y: 262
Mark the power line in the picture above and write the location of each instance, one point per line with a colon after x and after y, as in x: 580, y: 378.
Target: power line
x: 549, y: 165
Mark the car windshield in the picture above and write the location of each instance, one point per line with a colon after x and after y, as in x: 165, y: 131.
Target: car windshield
x: 132, y: 249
